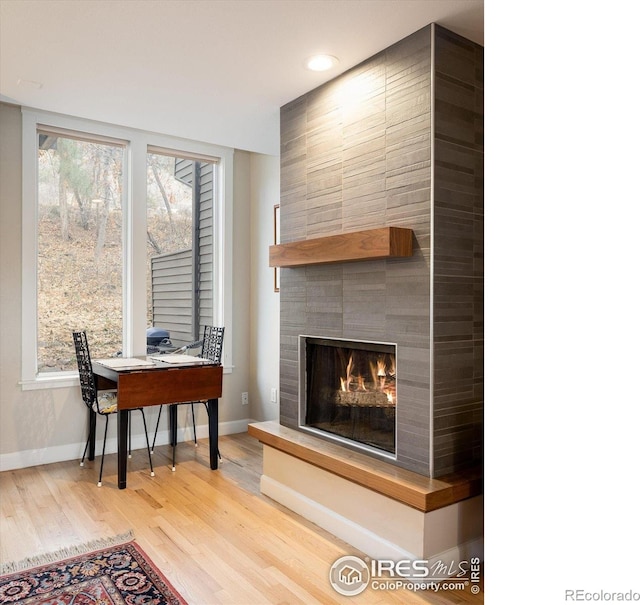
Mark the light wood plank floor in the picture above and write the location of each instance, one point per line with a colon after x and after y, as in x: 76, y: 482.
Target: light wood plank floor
x: 215, y: 537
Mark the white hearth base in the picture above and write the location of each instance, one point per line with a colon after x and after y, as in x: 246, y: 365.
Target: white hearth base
x: 379, y: 526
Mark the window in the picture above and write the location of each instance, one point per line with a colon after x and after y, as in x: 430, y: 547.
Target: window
x: 79, y: 247
x: 89, y: 216
x: 181, y: 197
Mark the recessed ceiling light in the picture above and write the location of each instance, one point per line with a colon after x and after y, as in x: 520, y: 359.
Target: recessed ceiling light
x: 320, y: 62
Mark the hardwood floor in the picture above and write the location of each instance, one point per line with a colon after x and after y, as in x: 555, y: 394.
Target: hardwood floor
x: 212, y: 533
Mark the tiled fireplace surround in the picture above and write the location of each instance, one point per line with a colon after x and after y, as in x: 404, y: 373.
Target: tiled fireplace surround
x: 395, y: 142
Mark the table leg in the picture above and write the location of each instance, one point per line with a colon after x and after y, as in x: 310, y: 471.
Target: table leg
x: 123, y: 429
x: 213, y: 433
x: 173, y: 425
x: 92, y: 435
x: 173, y: 433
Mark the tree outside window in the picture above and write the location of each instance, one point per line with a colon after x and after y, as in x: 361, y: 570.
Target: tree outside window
x: 79, y: 279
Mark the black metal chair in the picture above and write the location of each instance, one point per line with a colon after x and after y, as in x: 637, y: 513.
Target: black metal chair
x: 102, y: 403
x: 212, y: 341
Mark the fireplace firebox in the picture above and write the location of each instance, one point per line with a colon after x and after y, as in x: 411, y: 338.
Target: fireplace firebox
x: 348, y: 392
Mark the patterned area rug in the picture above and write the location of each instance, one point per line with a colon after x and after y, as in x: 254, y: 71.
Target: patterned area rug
x: 120, y: 574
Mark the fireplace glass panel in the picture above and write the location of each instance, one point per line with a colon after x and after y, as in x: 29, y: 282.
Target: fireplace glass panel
x: 351, y: 391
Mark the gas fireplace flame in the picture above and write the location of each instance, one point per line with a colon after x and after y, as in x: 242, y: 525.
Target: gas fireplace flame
x: 392, y: 368
x: 361, y: 386
x: 380, y: 379
x: 378, y: 373
x: 345, y: 382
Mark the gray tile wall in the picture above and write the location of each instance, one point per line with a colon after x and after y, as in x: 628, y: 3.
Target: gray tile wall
x: 356, y: 153
x: 458, y: 286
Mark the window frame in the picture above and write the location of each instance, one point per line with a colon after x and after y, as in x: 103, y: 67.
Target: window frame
x: 136, y: 144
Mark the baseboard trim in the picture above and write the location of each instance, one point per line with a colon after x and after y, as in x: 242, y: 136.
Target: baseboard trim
x: 73, y: 451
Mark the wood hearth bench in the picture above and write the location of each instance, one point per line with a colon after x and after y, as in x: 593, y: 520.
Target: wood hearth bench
x: 381, y: 509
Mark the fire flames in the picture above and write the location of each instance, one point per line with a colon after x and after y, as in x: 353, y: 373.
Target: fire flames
x: 382, y: 374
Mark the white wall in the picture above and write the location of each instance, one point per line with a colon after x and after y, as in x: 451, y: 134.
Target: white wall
x: 265, y: 303
x: 50, y: 425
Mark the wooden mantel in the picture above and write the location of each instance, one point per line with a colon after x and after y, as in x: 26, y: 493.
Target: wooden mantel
x: 370, y: 244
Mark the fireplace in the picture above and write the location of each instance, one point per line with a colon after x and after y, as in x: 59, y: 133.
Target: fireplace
x: 406, y: 151
x: 348, y: 392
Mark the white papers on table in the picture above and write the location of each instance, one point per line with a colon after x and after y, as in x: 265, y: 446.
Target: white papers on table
x: 123, y: 362
x: 179, y: 359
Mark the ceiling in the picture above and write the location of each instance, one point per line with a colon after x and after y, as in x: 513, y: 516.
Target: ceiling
x: 209, y: 70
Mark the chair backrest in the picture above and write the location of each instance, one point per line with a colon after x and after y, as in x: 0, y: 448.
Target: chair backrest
x: 212, y: 343
x: 85, y: 370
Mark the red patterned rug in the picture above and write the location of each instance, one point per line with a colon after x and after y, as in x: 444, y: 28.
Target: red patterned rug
x: 117, y: 575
